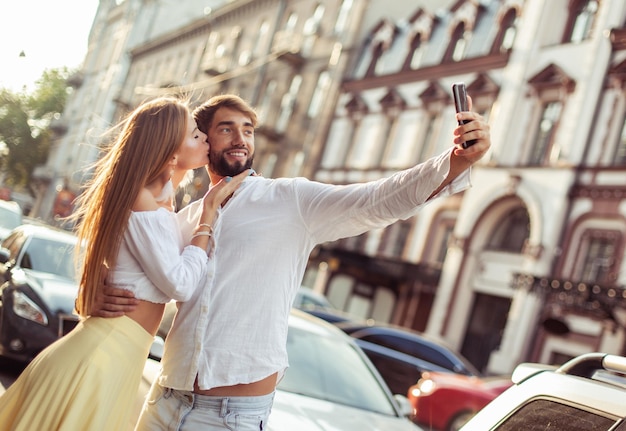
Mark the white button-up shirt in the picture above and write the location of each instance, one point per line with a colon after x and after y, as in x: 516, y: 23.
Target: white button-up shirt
x: 234, y: 330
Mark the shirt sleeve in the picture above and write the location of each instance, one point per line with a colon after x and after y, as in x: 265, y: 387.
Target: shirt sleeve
x: 334, y: 212
x: 154, y: 240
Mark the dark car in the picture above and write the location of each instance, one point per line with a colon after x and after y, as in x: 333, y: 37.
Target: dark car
x: 402, y: 355
x: 37, y: 291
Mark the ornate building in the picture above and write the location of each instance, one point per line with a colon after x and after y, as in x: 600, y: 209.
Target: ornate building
x: 527, y: 264
x: 536, y: 246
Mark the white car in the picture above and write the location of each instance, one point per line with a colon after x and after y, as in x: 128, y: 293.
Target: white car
x: 329, y: 385
x: 587, y: 393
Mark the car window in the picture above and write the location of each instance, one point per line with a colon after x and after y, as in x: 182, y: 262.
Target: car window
x: 49, y: 256
x: 548, y: 415
x: 413, y: 347
x: 333, y: 370
x: 9, y: 219
x: 398, y: 374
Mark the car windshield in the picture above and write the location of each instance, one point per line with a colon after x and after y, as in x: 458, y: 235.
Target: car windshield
x: 53, y: 257
x: 9, y: 219
x: 330, y: 369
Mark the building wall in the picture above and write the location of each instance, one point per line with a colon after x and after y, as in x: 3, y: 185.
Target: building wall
x: 451, y: 270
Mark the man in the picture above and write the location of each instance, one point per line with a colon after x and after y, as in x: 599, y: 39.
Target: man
x: 226, y: 350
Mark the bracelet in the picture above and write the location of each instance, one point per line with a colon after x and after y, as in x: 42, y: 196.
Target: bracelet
x: 206, y: 225
x: 202, y: 233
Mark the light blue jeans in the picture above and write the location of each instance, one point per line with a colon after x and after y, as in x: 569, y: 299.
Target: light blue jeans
x: 168, y: 409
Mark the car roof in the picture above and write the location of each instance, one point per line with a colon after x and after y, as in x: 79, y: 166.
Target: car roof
x: 302, y: 320
x: 11, y: 205
x: 351, y: 327
x: 49, y: 232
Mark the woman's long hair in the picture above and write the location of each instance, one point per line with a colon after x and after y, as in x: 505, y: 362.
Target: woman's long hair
x: 149, y: 137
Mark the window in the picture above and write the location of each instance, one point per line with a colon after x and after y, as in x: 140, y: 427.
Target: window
x: 366, y: 150
x: 321, y: 89
x: 599, y: 259
x: 410, y: 346
x: 377, y: 52
x: 458, y: 42
x: 312, y: 25
x: 261, y: 39
x: 581, y: 20
x: 545, y: 132
x: 394, y: 239
x: 540, y: 415
x: 428, y: 143
x: 414, y: 58
x: 511, y: 233
x: 400, y: 153
x: 311, y: 30
x: 287, y: 104
x: 354, y: 243
x: 506, y: 34
x: 620, y: 153
x: 290, y: 24
x: 446, y: 237
x: 342, y: 16
x: 266, y: 102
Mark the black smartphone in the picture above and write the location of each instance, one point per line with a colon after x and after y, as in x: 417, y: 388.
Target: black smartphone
x: 460, y: 104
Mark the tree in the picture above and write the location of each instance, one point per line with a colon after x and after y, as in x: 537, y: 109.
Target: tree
x: 25, y: 118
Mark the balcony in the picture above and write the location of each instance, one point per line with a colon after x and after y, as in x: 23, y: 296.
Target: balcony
x: 216, y: 66
x: 288, y: 47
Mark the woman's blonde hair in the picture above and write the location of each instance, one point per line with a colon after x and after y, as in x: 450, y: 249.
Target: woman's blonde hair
x: 149, y: 137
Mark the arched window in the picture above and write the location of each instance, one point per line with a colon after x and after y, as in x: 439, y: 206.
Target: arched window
x: 456, y: 48
x: 580, y: 21
x: 503, y: 41
x: 414, y: 58
x: 511, y: 233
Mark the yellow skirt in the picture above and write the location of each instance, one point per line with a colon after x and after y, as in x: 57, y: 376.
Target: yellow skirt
x: 88, y: 380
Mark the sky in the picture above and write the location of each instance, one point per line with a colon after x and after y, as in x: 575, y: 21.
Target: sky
x: 51, y: 33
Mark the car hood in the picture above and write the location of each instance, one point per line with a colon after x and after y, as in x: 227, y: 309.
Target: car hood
x: 57, y: 292
x: 297, y: 412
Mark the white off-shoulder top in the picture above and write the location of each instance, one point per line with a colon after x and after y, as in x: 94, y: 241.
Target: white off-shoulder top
x: 153, y: 261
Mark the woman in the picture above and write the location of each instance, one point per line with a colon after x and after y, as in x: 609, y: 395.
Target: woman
x: 88, y: 380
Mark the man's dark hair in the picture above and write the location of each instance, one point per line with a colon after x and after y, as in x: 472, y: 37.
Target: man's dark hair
x: 204, y: 113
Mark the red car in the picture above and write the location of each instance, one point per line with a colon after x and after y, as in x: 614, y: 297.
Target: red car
x: 445, y: 401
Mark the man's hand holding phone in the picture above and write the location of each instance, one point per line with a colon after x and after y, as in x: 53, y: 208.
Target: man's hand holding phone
x: 461, y: 104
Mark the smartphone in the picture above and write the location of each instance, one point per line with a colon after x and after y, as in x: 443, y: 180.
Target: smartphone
x: 460, y: 104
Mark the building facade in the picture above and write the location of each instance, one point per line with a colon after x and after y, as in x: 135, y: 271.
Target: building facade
x: 527, y: 264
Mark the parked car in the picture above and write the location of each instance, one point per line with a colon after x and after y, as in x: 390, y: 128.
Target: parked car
x: 587, y: 393
x: 318, y: 305
x: 446, y: 401
x: 307, y: 297
x: 402, y: 355
x: 37, y: 289
x: 329, y: 385
x: 10, y: 217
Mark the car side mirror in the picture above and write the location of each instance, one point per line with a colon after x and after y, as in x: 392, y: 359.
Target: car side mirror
x: 406, y: 409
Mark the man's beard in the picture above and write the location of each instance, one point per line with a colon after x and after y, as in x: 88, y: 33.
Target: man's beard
x: 218, y: 165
